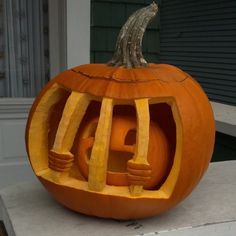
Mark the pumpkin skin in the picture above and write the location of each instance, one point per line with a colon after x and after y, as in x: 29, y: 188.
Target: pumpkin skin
x: 173, y: 146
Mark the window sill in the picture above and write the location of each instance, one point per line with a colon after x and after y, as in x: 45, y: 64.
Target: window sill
x: 15, y: 108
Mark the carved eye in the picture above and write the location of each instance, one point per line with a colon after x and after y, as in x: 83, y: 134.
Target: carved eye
x: 130, y: 138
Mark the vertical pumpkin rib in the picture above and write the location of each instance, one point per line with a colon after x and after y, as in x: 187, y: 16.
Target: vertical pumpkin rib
x: 99, y: 155
x: 141, y: 148
x: 60, y: 157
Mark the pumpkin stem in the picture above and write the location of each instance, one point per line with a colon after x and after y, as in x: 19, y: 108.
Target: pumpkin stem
x: 128, y: 52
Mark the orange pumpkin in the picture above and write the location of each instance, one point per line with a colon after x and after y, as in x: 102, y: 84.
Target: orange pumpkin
x: 124, y: 140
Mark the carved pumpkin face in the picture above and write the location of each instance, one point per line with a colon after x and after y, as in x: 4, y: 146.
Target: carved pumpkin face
x: 120, y: 142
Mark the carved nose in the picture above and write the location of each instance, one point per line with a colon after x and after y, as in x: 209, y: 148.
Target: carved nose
x: 123, y: 134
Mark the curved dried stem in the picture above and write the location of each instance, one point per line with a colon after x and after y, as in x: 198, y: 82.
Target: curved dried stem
x: 128, y: 51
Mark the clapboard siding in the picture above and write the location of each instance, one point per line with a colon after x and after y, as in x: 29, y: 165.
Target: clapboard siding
x: 107, y: 17
x: 200, y: 38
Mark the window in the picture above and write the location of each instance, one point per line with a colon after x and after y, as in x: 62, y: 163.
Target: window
x: 24, y: 53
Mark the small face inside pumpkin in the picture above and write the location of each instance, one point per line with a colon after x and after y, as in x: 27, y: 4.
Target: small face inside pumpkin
x: 121, y: 170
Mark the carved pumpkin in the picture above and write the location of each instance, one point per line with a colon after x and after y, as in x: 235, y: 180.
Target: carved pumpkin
x: 124, y: 140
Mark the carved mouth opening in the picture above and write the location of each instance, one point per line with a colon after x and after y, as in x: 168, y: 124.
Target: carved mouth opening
x: 123, y: 139
x: 117, y: 161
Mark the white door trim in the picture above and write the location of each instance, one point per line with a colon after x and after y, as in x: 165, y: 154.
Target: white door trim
x: 78, y: 32
x: 69, y: 34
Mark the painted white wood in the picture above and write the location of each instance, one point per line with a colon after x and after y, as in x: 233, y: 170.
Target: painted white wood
x: 14, y: 172
x: 225, y: 117
x: 12, y: 139
x: 69, y: 34
x: 13, y: 116
x: 217, y: 229
x: 15, y: 108
x: 78, y: 32
x: 14, y: 165
x: 57, y: 36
